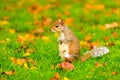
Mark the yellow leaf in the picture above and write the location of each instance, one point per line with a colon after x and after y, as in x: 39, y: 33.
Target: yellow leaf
x: 25, y: 65
x: 4, y: 23
x: 26, y: 54
x: 11, y: 31
x: 45, y: 38
x: 65, y: 78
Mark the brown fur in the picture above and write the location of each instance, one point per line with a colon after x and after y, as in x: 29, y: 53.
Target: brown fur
x: 70, y: 38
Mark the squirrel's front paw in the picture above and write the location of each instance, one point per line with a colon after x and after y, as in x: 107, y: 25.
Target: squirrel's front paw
x: 60, y: 41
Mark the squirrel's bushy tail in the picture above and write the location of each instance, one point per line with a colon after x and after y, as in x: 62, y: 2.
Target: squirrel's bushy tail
x: 96, y: 52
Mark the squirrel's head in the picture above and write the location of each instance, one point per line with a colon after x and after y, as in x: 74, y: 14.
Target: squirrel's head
x: 58, y: 27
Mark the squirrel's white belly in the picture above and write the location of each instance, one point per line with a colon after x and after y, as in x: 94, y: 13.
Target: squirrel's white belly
x: 63, y: 48
x: 64, y: 51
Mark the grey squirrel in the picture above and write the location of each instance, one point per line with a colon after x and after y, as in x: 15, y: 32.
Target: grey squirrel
x: 69, y: 45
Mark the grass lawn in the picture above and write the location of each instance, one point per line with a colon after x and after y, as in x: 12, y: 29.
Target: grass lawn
x: 29, y: 50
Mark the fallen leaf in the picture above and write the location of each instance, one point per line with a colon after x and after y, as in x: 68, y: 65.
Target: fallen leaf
x: 88, y: 38
x: 115, y: 34
x: 106, y: 38
x: 97, y: 64
x: 21, y: 61
x: 67, y: 66
x: 111, y: 44
x: 56, y: 77
x: 69, y: 21
x: 9, y: 72
x: 84, y: 44
x: 65, y: 78
x: 20, y: 39
x: 35, y: 8
x: 26, y: 54
x: 4, y: 23
x: 11, y: 31
x: 114, y: 73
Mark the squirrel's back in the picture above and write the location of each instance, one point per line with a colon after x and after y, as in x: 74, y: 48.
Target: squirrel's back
x: 74, y: 46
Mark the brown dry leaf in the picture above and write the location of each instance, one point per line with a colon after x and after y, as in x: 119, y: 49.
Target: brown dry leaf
x: 11, y: 31
x: 20, y: 39
x: 18, y: 61
x: 67, y: 66
x: 35, y: 8
x: 97, y: 65
x: 9, y: 72
x: 111, y: 44
x: 56, y: 77
x: 65, y: 78
x: 88, y: 38
x: 114, y: 73
x: 115, y: 34
x: 106, y: 38
x: 69, y: 21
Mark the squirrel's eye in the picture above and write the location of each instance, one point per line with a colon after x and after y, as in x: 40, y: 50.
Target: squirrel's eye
x: 56, y: 26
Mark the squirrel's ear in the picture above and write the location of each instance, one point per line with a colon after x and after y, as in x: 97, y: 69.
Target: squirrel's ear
x: 60, y: 21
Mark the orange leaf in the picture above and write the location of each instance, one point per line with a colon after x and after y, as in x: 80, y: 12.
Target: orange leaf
x: 97, y: 64
x: 88, y: 38
x: 56, y: 77
x: 69, y: 21
x: 106, y: 38
x: 35, y: 8
x: 114, y: 34
x: 114, y: 73
x: 9, y: 72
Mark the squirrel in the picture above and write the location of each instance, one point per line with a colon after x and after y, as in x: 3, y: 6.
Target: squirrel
x: 69, y: 45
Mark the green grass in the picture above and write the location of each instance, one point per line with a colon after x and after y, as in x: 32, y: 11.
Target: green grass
x: 46, y: 53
